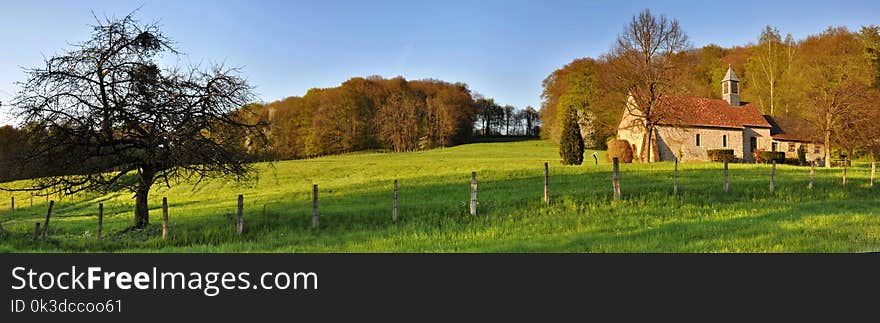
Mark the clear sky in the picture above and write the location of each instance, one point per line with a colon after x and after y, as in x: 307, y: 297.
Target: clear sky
x: 501, y: 49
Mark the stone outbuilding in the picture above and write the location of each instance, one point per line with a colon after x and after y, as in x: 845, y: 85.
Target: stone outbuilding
x: 792, y: 133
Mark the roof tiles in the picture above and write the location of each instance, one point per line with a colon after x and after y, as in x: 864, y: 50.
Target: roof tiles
x: 691, y: 111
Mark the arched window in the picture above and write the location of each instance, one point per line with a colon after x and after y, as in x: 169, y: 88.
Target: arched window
x: 724, y: 141
x: 698, y: 140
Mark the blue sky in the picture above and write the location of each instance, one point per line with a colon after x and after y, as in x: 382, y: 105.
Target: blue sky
x: 502, y: 49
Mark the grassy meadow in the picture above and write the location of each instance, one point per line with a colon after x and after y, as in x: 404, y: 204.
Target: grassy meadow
x: 434, y: 190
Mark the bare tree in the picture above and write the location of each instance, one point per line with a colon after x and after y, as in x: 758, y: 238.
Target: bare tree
x: 105, y: 116
x: 531, y: 117
x: 484, y: 108
x: 770, y: 61
x: 644, y: 64
x: 508, y: 117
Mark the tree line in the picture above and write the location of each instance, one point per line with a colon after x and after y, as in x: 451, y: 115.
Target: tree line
x: 831, y: 79
x: 494, y: 119
x: 391, y: 114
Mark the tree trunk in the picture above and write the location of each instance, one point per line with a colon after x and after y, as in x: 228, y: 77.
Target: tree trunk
x: 771, y: 97
x: 647, y: 147
x: 142, y: 209
x: 486, y: 124
x: 827, y: 148
x: 850, y: 153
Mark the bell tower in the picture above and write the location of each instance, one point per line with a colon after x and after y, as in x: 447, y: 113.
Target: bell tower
x: 730, y: 88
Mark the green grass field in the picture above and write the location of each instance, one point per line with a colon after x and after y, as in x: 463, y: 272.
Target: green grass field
x: 355, y: 207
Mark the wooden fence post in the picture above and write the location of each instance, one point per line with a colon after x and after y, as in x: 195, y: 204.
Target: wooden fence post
x: 12, y: 205
x: 675, y: 178
x: 873, y: 171
x: 100, y: 220
x: 48, y: 215
x: 773, y: 177
x: 394, y: 210
x: 844, y: 173
x: 812, y: 174
x: 32, y: 199
x: 546, y: 185
x: 36, y: 230
x: 239, y: 225
x: 615, y: 179
x: 165, y: 218
x: 726, y: 178
x: 474, y: 193
x: 315, y: 206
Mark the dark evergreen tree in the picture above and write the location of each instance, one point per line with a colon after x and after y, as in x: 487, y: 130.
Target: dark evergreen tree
x: 571, y: 146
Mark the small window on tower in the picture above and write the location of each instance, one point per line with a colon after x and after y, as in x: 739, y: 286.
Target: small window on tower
x: 726, y: 88
x: 698, y: 140
x: 733, y: 87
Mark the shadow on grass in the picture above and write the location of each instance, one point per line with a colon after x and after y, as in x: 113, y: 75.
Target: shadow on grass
x: 648, y: 219
x: 814, y: 226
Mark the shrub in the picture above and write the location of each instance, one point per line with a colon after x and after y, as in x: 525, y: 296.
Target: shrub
x: 621, y: 149
x: 757, y: 155
x: 802, y: 155
x: 792, y: 161
x: 768, y: 156
x: 719, y: 155
x: 571, y: 145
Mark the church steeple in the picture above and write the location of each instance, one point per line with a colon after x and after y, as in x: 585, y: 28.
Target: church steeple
x: 730, y: 88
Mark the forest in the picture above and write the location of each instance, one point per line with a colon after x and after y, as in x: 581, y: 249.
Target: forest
x: 831, y: 79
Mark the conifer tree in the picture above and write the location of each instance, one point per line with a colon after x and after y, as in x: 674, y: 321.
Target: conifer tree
x: 571, y: 146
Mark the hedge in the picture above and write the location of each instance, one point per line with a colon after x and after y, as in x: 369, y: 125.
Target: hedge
x: 768, y: 156
x: 720, y: 154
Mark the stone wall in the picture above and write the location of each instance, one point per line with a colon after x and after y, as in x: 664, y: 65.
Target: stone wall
x: 682, y: 142
x: 632, y: 131
x: 814, y: 151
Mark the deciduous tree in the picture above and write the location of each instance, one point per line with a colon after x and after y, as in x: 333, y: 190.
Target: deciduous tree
x: 645, y: 66
x: 768, y: 65
x: 107, y: 116
x: 834, y: 79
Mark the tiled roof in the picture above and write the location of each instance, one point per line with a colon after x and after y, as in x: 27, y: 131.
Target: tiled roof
x: 690, y: 111
x: 792, y: 129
